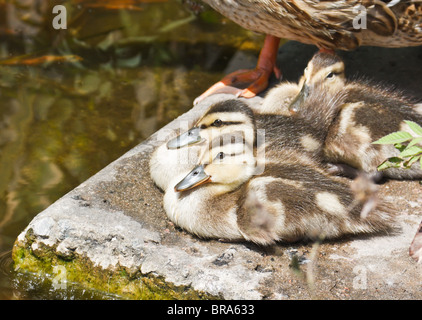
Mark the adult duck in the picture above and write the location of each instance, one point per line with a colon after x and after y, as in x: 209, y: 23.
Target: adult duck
x: 330, y: 25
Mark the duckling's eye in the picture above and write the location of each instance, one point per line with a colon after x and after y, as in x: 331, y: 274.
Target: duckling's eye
x: 217, y: 123
x: 220, y: 155
x: 330, y: 75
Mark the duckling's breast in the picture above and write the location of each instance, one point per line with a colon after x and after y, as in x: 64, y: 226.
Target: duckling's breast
x: 166, y: 163
x: 278, y: 99
x: 200, y: 212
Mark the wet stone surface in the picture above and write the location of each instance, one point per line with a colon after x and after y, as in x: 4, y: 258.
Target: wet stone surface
x: 115, y: 222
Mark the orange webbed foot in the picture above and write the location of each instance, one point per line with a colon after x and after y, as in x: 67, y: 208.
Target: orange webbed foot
x: 258, y: 77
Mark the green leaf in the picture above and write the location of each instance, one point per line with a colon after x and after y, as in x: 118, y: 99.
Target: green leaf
x: 415, y: 127
x: 395, y: 137
x: 411, y: 151
x: 400, y: 146
x: 393, y: 162
x: 411, y: 161
x: 415, y: 141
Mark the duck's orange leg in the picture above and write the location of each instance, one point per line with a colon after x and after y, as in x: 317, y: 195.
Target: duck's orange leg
x: 258, y: 76
x: 325, y: 50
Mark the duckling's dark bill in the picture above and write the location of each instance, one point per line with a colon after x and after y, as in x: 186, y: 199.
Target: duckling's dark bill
x: 194, y: 178
x: 299, y: 100
x: 189, y: 137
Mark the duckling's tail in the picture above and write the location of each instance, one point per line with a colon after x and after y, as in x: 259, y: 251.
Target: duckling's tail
x: 368, y: 209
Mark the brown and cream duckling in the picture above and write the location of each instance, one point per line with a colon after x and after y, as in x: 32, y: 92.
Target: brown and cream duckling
x: 366, y: 113
x: 287, y: 97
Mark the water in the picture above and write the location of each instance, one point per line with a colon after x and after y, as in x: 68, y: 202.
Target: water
x: 74, y: 100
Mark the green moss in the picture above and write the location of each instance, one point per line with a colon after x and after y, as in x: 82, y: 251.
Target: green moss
x: 121, y: 282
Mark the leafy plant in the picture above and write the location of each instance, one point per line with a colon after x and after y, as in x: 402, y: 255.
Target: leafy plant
x: 410, y: 152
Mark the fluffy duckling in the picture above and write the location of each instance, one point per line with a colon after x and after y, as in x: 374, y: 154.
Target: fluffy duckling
x: 366, y: 113
x: 224, y: 197
x: 325, y: 71
x: 221, y: 117
x: 262, y: 190
x: 286, y: 98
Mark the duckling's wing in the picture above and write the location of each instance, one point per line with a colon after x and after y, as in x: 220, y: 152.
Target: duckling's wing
x: 256, y: 222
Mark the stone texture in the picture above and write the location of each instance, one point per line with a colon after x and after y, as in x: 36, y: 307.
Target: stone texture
x: 114, y: 224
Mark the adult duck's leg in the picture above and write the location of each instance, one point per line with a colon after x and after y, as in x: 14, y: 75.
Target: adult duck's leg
x: 258, y: 76
x: 325, y: 50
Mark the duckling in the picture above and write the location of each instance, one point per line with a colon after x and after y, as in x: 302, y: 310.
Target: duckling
x: 224, y: 197
x: 221, y: 117
x: 366, y: 113
x: 287, y: 97
x: 246, y: 188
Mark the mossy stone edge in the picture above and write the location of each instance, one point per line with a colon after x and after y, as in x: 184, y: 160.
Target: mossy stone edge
x: 121, y: 282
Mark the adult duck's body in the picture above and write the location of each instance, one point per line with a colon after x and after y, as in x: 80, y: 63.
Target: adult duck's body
x: 330, y: 25
x: 336, y: 24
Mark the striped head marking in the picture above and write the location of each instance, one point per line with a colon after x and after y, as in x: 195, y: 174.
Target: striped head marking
x: 325, y: 69
x: 324, y: 73
x: 227, y: 163
x: 222, y: 117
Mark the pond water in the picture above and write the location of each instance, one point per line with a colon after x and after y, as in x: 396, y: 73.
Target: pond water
x: 73, y: 100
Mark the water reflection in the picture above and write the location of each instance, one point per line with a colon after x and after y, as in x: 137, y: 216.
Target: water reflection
x: 74, y: 100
